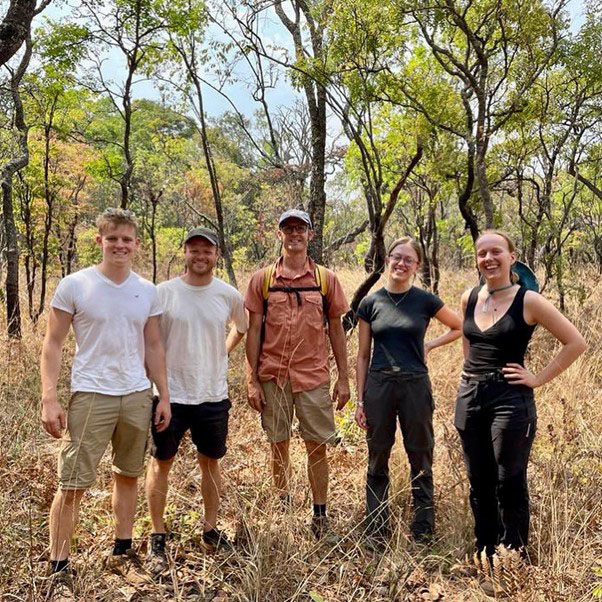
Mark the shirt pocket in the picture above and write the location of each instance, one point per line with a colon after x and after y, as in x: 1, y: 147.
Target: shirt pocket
x: 313, y: 314
x: 312, y: 325
x: 278, y: 310
x: 313, y: 310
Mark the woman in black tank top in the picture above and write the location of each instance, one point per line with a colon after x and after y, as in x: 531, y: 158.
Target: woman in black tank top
x: 495, y: 408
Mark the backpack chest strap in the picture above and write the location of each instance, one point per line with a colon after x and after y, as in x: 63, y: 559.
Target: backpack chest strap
x: 296, y: 290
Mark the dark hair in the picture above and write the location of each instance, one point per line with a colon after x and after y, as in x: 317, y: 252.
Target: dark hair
x: 406, y: 240
x: 514, y: 277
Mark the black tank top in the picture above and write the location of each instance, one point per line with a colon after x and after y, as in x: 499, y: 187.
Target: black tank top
x: 504, y: 342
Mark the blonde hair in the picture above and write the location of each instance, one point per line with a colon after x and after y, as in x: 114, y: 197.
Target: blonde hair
x: 116, y: 217
x: 406, y: 240
x: 514, y: 277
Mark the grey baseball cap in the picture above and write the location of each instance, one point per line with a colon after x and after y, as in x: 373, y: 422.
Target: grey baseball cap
x: 290, y: 213
x: 205, y: 233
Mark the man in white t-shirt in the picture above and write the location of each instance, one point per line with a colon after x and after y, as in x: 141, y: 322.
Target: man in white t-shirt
x: 115, y: 318
x: 197, y: 308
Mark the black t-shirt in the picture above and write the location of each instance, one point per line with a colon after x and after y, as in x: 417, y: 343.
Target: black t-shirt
x: 398, y: 331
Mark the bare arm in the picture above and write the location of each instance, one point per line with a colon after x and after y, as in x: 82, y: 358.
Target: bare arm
x: 253, y: 348
x: 53, y: 415
x: 154, y: 358
x: 539, y: 310
x: 234, y: 338
x: 363, y: 362
x: 341, y: 393
x: 464, y: 303
x: 448, y: 317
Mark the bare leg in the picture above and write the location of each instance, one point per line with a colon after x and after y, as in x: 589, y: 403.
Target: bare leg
x: 281, y: 465
x: 317, y: 470
x: 211, y: 488
x: 156, y: 486
x: 125, y: 495
x: 63, y: 516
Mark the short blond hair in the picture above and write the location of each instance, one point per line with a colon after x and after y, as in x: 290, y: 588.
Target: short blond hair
x: 116, y: 217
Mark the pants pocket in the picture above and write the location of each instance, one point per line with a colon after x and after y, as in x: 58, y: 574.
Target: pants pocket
x: 464, y: 400
x: 530, y: 415
x: 430, y: 395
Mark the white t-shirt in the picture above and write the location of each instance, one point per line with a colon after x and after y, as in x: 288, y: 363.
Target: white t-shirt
x: 194, y: 329
x: 108, y: 322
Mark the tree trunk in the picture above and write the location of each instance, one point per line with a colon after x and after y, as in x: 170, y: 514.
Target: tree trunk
x: 71, y: 246
x: 217, y: 199
x: 13, y: 309
x: 152, y: 232
x: 560, y: 275
x: 49, y: 198
x: 483, y: 184
x: 15, y: 27
x: 315, y: 94
x: 128, y: 168
x: 436, y: 272
x: 25, y: 197
x: 69, y: 250
x: 464, y: 197
x: 317, y: 192
x: 482, y: 144
x: 128, y: 162
x: 376, y: 256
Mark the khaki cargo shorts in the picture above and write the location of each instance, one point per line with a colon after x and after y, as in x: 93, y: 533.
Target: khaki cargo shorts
x: 313, y: 409
x: 94, y: 419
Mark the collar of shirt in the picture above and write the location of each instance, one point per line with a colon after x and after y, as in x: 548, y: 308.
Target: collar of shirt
x: 308, y: 268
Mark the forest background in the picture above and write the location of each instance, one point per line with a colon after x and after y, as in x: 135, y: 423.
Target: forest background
x: 435, y: 118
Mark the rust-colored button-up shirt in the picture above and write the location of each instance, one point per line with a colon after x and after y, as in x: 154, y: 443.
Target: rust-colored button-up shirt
x: 295, y: 347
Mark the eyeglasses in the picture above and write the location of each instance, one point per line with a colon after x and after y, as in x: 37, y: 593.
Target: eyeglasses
x: 402, y: 259
x: 118, y: 212
x: 299, y: 228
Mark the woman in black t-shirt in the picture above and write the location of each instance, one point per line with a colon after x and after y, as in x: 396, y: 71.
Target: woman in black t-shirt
x: 495, y: 409
x: 397, y: 386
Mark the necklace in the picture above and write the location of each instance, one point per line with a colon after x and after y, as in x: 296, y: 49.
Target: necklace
x: 396, y: 303
x: 485, y: 307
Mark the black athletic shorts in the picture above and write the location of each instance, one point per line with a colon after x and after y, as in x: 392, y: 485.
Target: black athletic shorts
x: 208, y: 424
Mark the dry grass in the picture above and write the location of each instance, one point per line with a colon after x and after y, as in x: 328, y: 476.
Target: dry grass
x: 277, y: 560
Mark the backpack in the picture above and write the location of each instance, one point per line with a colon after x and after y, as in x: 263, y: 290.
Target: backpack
x: 267, y: 287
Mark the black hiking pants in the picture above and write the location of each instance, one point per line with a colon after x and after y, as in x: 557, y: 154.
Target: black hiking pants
x: 405, y: 397
x: 497, y: 422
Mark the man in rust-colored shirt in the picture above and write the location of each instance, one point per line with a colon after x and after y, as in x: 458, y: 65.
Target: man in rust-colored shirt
x: 288, y: 356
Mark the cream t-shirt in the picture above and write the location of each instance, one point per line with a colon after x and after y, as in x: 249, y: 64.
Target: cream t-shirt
x: 194, y: 327
x: 108, y: 322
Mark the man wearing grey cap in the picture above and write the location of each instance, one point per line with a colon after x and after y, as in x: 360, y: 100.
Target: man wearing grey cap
x: 197, y: 308
x: 292, y: 304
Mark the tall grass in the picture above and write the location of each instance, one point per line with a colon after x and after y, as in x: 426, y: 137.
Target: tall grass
x: 276, y: 558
